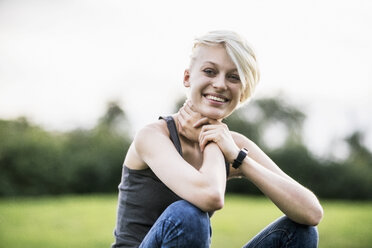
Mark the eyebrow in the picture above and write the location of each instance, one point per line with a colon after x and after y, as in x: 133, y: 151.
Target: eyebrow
x: 210, y: 62
x: 216, y: 65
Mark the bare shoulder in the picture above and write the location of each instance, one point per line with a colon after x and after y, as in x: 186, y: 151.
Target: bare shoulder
x: 146, y: 136
x: 150, y: 134
x: 156, y: 128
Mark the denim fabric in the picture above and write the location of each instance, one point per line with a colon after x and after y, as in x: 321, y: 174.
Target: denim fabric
x: 285, y: 233
x: 180, y: 225
x: 184, y: 225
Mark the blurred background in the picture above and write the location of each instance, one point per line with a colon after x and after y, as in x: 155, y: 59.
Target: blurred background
x: 78, y: 79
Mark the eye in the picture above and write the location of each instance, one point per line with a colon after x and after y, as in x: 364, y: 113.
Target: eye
x: 209, y: 72
x: 234, y: 77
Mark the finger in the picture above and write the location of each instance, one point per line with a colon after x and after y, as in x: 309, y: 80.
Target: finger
x: 181, y: 116
x: 200, y: 122
x: 206, y: 136
x: 216, y: 134
x: 205, y: 121
x: 184, y: 114
x: 210, y: 134
x: 184, y: 104
x: 216, y: 125
x: 215, y: 122
x: 202, y: 143
x: 192, y: 112
x: 191, y: 106
x: 205, y: 139
x: 210, y: 127
x: 188, y: 109
x: 196, y: 116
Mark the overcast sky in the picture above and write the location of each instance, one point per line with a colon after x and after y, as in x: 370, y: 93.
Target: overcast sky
x: 62, y: 61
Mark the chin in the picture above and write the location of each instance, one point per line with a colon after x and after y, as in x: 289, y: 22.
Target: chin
x: 216, y: 114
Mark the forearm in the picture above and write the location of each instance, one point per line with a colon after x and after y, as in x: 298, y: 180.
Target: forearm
x: 214, y: 173
x: 294, y: 200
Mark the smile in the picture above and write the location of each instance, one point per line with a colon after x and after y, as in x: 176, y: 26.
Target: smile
x: 216, y: 98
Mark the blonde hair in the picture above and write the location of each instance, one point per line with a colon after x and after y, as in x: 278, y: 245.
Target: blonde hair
x: 240, y: 53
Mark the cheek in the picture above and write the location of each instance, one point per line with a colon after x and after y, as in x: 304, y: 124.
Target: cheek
x: 195, y: 97
x: 237, y: 93
x: 194, y: 93
x: 196, y: 89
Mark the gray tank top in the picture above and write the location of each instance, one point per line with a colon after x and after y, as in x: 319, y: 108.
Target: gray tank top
x: 142, y: 199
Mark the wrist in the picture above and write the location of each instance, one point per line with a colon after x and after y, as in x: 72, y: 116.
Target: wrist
x: 234, y: 155
x: 240, y: 157
x: 212, y: 150
x: 211, y: 146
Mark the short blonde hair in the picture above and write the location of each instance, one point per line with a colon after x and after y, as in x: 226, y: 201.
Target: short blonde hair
x: 240, y: 53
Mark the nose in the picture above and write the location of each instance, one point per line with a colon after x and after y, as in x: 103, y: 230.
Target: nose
x: 219, y: 82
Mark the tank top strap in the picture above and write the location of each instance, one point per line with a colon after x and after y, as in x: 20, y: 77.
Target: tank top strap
x: 176, y: 140
x: 173, y: 132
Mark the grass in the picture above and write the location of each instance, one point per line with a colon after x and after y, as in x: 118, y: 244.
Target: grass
x: 73, y: 221
x: 88, y: 221
x: 345, y: 224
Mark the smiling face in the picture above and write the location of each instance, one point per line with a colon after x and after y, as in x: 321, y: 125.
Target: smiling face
x: 215, y: 87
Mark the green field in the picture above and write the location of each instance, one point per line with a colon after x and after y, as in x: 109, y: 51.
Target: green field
x: 88, y: 221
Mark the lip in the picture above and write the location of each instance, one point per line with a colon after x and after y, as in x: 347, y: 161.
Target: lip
x: 226, y: 99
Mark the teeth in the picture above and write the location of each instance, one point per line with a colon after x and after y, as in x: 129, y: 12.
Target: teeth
x: 215, y: 98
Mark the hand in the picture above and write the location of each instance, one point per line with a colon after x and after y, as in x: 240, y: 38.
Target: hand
x: 219, y: 133
x: 190, y: 122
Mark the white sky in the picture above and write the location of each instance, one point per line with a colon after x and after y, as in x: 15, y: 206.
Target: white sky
x: 61, y: 61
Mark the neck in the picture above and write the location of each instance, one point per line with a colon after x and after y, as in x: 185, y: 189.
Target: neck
x: 182, y: 136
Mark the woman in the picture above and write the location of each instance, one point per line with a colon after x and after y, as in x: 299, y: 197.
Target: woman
x: 175, y: 171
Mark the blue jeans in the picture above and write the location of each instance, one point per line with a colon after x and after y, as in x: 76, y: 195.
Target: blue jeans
x: 180, y: 225
x: 285, y: 233
x: 184, y: 225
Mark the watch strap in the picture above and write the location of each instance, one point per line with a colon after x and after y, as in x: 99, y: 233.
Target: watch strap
x: 239, y: 159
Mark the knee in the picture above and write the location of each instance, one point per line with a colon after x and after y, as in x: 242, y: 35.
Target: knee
x: 306, y: 235
x: 193, y: 220
x: 309, y: 235
x: 185, y: 210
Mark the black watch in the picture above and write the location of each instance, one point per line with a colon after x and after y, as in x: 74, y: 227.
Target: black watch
x: 241, y: 156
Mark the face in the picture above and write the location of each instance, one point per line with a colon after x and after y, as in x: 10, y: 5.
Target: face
x: 214, y: 82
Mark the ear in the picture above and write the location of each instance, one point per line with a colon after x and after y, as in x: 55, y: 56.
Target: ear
x: 186, y: 78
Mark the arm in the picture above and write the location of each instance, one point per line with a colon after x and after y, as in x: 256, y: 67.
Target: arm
x: 204, y: 188
x: 293, y: 199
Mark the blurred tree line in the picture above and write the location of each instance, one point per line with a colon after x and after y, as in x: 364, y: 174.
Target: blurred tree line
x: 34, y: 161
x: 350, y: 178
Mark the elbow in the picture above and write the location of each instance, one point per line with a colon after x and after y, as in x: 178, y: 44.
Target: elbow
x: 218, y: 202
x: 318, y: 216
x: 213, y: 201
x: 315, y: 216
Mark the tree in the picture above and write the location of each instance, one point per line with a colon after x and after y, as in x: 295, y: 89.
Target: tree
x: 34, y: 161
x: 360, y: 156
x: 259, y: 116
x: 97, y: 155
x: 262, y: 119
